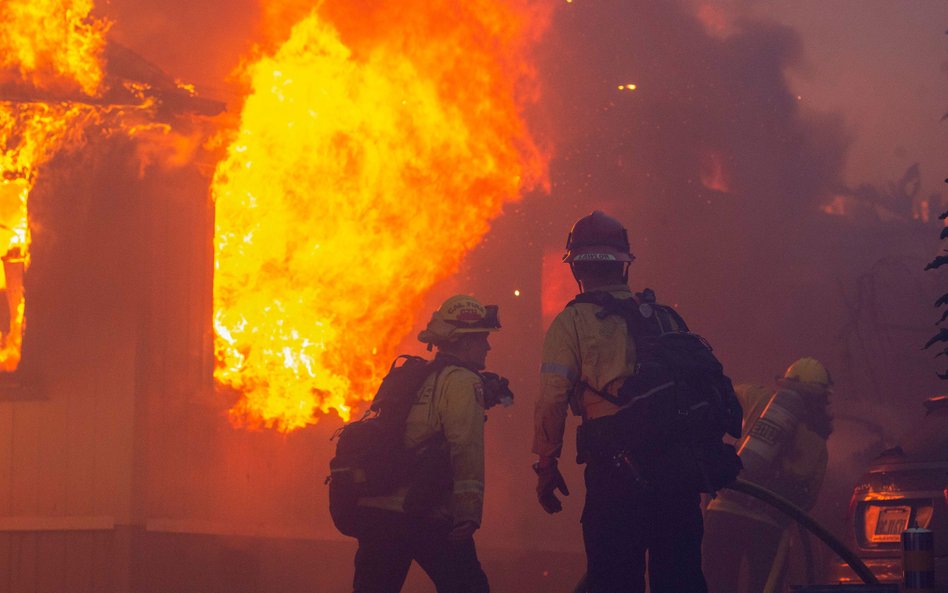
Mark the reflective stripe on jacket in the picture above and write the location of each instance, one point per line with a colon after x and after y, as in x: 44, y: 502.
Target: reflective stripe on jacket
x: 452, y: 403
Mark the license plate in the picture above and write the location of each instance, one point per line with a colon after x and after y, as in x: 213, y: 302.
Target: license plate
x: 890, y: 522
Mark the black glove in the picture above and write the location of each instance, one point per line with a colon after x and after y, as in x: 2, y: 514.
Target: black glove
x: 496, y: 390
x: 549, y: 480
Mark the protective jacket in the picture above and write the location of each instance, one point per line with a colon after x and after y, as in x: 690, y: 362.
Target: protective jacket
x: 583, y: 354
x: 450, y: 403
x: 580, y: 348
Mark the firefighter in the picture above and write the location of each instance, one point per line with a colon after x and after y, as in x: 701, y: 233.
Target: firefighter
x: 783, y: 450
x: 583, y: 356
x: 450, y: 408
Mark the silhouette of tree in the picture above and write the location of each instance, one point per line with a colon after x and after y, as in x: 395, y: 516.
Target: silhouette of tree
x: 941, y: 338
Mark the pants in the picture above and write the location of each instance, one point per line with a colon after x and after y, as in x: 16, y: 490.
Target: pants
x: 389, y: 541
x: 621, y: 524
x: 732, y: 539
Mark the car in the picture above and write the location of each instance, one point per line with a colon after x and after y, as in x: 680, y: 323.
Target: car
x: 905, y: 486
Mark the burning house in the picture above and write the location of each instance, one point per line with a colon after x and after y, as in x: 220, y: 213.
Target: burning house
x: 200, y: 284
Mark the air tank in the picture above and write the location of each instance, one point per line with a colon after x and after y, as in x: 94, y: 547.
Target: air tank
x: 771, y: 431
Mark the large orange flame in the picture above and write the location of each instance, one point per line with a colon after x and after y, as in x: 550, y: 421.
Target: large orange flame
x: 372, y: 155
x: 30, y: 134
x: 51, y: 45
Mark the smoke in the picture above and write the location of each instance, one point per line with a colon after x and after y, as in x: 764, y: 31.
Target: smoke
x: 713, y: 162
x: 721, y: 174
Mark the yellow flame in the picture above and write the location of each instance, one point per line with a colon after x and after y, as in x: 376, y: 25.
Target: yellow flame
x: 361, y: 175
x: 49, y: 42
x: 44, y: 44
x: 30, y: 134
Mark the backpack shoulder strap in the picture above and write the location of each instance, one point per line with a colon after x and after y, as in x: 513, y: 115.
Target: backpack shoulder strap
x: 596, y: 297
x: 637, y: 312
x: 400, y: 386
x: 609, y: 305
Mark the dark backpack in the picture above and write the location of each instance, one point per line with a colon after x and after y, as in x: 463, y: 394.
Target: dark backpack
x: 371, y: 458
x: 675, y: 409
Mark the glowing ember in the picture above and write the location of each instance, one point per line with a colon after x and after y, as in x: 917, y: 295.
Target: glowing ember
x: 34, y: 54
x: 363, y: 172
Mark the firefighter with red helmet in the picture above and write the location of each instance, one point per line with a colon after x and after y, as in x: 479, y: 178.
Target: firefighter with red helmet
x: 585, y: 357
x: 784, y: 450
x: 448, y: 411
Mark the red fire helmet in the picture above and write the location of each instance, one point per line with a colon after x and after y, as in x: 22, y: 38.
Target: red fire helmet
x: 598, y: 237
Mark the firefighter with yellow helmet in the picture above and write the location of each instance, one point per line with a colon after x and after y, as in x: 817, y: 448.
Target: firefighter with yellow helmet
x: 585, y: 357
x: 784, y: 450
x: 449, y: 408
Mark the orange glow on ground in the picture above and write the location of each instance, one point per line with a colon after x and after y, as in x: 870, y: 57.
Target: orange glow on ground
x: 372, y: 154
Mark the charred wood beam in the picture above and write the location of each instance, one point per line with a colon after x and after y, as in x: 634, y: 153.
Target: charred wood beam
x: 130, y: 81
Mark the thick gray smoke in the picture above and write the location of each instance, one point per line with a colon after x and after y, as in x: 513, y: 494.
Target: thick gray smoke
x: 721, y: 176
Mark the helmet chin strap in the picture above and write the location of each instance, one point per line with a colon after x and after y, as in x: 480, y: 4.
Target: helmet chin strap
x: 578, y: 283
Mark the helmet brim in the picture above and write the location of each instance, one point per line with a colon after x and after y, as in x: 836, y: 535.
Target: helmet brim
x: 597, y: 253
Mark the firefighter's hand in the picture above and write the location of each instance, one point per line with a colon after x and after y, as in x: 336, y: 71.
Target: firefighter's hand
x: 462, y: 531
x: 549, y: 480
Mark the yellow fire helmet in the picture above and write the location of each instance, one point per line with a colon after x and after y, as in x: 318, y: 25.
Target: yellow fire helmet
x: 460, y: 314
x: 808, y: 371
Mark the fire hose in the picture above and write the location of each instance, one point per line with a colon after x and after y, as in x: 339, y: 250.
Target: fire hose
x: 801, y: 517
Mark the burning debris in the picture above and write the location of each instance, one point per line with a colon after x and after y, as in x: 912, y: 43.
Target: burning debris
x: 36, y: 60
x: 129, y: 81
x: 56, y: 82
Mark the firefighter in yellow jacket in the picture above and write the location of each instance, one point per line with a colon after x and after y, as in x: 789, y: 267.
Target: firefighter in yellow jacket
x: 784, y: 450
x: 585, y: 359
x: 415, y: 523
